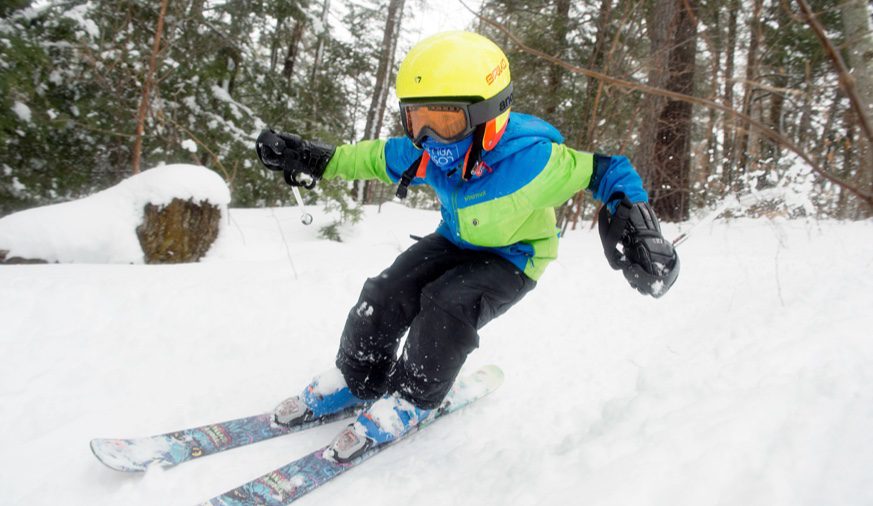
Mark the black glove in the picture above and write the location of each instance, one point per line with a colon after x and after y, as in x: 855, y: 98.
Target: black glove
x: 294, y: 156
x: 649, y: 262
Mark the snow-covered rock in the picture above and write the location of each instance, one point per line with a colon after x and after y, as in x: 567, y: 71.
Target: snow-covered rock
x: 102, y: 228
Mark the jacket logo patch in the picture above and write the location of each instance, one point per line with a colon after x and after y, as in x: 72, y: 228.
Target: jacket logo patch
x: 475, y: 196
x: 480, y: 169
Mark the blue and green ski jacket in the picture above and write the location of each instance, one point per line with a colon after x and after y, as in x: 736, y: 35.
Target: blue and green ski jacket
x: 508, y: 205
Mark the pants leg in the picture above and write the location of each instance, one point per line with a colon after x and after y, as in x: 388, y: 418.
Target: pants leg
x: 453, y: 308
x: 387, y: 306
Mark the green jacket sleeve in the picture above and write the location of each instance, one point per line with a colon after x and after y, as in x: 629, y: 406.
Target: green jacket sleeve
x: 566, y: 172
x: 364, y: 160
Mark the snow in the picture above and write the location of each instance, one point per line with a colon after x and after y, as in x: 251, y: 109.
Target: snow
x: 364, y: 309
x: 102, y: 227
x: 17, y: 186
x: 223, y: 95
x: 317, y: 25
x: 22, y: 111
x: 189, y: 145
x: 78, y: 14
x: 191, y: 103
x: 328, y: 382
x: 748, y: 384
x: 385, y: 415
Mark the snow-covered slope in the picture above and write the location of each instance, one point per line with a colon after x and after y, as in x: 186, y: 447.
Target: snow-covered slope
x: 751, y: 383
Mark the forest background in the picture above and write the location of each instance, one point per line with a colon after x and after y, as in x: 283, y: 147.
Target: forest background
x: 711, y: 100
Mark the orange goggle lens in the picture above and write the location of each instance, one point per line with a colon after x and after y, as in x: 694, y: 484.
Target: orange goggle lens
x: 446, y: 121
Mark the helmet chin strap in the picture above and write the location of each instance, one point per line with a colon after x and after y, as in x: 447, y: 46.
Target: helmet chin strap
x: 474, y: 154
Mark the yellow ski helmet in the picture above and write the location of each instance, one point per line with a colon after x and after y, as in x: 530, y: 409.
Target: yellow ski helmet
x: 451, y: 83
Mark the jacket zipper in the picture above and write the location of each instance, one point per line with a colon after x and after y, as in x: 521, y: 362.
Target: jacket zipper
x: 455, y: 214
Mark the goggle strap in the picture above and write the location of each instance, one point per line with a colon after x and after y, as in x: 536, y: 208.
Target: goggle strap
x: 408, y: 175
x: 490, y: 108
x: 422, y: 165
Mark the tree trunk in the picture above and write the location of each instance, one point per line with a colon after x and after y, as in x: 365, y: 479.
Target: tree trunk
x: 859, y: 34
x: 711, y: 157
x: 293, y: 49
x: 383, y: 99
x: 804, y: 127
x: 728, y: 131
x: 570, y: 211
x: 751, y: 76
x: 274, y: 45
x: 553, y: 78
x: 856, y: 23
x: 658, y: 23
x: 371, y: 184
x: 316, y: 64
x: 845, y: 209
x: 383, y: 71
x: 593, y: 86
x: 146, y: 89
x: 771, y: 151
x: 666, y: 134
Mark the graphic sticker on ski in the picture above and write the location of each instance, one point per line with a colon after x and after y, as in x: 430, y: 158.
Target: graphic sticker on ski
x: 294, y: 480
x: 173, y: 448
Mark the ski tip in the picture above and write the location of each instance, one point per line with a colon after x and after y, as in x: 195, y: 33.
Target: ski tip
x: 493, y: 374
x: 492, y: 369
x: 115, y: 454
x: 97, y: 448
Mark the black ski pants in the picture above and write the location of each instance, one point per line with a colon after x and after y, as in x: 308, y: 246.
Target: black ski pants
x: 443, y: 295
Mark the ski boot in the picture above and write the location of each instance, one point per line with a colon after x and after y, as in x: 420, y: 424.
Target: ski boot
x: 327, y: 394
x: 387, y: 420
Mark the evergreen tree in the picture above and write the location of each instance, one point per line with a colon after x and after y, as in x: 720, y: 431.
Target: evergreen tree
x: 72, y: 78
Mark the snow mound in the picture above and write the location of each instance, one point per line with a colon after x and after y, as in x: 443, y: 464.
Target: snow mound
x: 101, y: 228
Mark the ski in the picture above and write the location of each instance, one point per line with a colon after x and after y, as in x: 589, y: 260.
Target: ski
x: 174, y: 448
x: 295, y: 479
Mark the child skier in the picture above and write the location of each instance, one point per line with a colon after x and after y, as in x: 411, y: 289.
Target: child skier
x: 498, y: 176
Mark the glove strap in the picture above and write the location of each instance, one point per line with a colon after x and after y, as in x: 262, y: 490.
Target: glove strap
x: 306, y: 156
x: 612, y: 229
x: 601, y: 167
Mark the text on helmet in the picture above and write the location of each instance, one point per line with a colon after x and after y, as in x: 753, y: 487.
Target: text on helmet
x: 494, y: 74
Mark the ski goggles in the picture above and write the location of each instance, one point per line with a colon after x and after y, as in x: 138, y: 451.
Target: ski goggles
x: 450, y: 120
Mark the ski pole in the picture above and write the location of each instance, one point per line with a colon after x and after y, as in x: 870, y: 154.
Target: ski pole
x: 305, y: 217
x: 734, y: 202
x: 708, y: 218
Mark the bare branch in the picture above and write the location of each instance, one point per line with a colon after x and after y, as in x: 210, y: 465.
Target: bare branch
x: 847, y: 82
x: 766, y: 87
x: 762, y: 128
x: 146, y: 89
